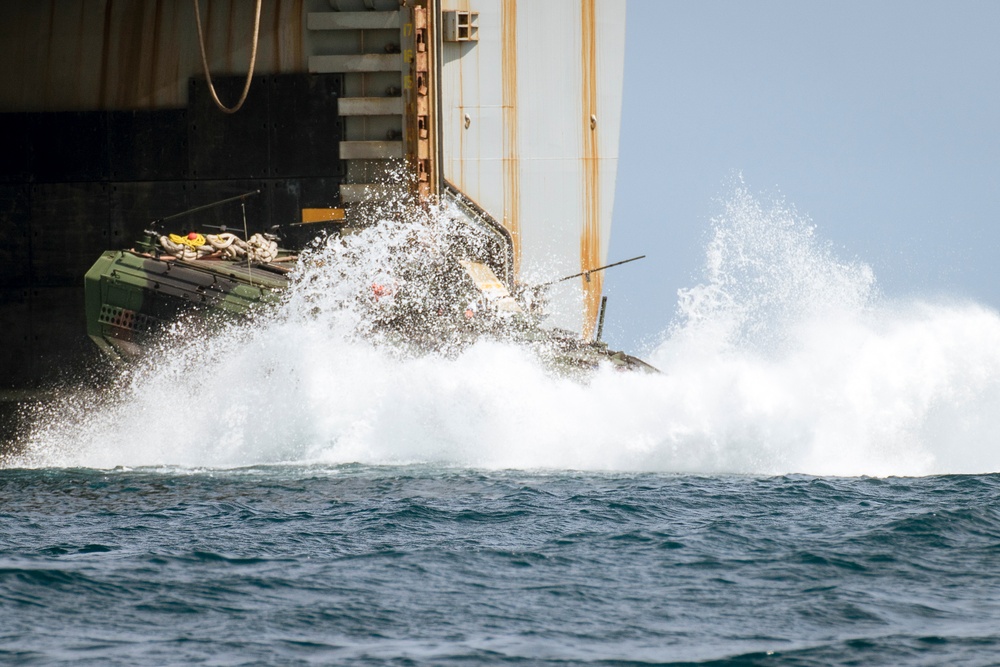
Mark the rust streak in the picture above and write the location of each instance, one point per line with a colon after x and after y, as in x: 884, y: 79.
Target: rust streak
x: 275, y: 38
x: 297, y: 27
x: 590, y: 239
x: 286, y: 37
x: 154, y: 64
x: 142, y: 84
x: 78, y: 62
x: 512, y: 167
x: 411, y: 88
x: 461, y: 130
x: 102, y: 98
x: 129, y: 56
x: 177, y: 89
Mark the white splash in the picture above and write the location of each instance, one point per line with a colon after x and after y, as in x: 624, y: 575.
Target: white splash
x: 784, y: 360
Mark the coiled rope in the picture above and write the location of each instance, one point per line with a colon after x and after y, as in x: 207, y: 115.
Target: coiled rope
x: 228, y: 246
x: 204, y: 60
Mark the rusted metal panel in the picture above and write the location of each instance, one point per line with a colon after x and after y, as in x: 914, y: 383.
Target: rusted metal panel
x: 591, y: 254
x: 420, y: 94
x: 511, y: 149
x: 517, y: 139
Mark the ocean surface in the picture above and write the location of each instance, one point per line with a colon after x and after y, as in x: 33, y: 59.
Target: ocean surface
x: 812, y: 479
x: 383, y: 565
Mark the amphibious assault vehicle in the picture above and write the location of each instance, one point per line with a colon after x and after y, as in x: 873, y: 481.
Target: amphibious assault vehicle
x: 439, y: 296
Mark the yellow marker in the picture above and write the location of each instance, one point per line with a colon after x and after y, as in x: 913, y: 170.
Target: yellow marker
x: 323, y: 214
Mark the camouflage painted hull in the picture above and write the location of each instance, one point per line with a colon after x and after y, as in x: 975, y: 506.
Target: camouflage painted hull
x: 131, y: 296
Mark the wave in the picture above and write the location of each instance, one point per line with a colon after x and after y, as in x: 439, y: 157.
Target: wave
x: 782, y: 359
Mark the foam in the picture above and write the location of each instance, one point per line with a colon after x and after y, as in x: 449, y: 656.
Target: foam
x: 783, y: 359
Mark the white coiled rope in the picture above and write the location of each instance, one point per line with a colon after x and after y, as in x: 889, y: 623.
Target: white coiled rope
x: 229, y: 246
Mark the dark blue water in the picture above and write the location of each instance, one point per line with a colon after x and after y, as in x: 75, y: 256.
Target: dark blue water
x: 420, y: 565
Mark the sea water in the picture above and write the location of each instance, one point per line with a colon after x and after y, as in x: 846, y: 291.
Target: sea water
x: 809, y: 481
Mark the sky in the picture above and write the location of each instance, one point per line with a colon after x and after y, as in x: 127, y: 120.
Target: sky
x: 878, y: 121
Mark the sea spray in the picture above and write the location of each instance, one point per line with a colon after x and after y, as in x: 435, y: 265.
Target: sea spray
x: 783, y: 359
x: 765, y: 271
x: 791, y: 361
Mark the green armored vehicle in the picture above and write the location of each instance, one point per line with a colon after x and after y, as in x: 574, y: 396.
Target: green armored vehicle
x: 435, y: 287
x: 131, y: 295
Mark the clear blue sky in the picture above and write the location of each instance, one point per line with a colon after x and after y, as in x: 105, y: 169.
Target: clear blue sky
x: 880, y: 121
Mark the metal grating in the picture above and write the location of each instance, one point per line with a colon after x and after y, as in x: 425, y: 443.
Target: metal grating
x: 124, y: 318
